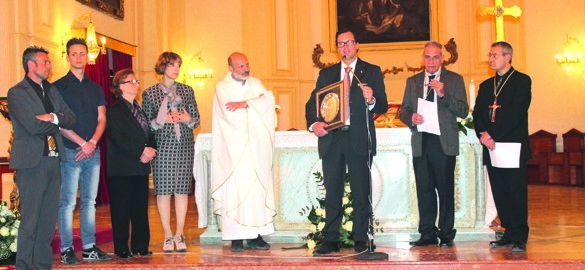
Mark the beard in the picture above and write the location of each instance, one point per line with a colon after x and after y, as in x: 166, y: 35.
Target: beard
x: 242, y: 77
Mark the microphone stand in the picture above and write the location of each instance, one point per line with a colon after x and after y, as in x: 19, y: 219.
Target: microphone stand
x: 370, y: 255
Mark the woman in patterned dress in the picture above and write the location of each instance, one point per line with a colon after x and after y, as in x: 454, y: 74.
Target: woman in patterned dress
x: 171, y: 109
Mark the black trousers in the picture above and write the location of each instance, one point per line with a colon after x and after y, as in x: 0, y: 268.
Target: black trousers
x: 129, y: 205
x: 339, y: 156
x: 435, y: 175
x: 39, y: 189
x: 510, y: 191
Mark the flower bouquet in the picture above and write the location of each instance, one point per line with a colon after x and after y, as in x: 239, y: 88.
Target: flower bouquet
x: 8, y: 232
x: 316, y: 215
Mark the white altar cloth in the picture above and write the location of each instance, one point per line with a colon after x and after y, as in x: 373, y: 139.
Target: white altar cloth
x: 393, y: 184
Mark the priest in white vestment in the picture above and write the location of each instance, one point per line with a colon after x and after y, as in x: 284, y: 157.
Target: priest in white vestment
x: 242, y: 149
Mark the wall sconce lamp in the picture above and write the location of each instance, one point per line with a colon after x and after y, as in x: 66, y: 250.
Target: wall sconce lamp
x: 572, y: 56
x: 197, y: 72
x: 93, y: 49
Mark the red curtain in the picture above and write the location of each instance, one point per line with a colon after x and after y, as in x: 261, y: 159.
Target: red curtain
x: 100, y: 73
x: 121, y: 61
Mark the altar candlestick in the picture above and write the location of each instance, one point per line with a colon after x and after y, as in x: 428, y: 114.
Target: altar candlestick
x: 471, y: 95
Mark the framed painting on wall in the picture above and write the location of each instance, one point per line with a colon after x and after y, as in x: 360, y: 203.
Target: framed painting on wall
x: 4, y: 107
x: 384, y: 24
x: 114, y: 8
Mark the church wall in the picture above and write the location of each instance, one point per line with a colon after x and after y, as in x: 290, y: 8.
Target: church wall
x: 294, y: 42
x: 188, y: 28
x: 558, y: 96
x: 535, y: 39
x: 279, y: 37
x: 216, y: 32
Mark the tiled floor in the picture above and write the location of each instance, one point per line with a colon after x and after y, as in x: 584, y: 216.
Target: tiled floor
x: 557, y: 240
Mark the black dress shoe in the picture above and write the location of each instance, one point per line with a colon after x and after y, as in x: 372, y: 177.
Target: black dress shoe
x: 237, y: 246
x: 144, y: 253
x: 361, y: 246
x: 325, y: 248
x: 124, y: 255
x: 504, y: 242
x: 258, y: 243
x: 422, y: 242
x: 446, y: 243
x: 519, y: 246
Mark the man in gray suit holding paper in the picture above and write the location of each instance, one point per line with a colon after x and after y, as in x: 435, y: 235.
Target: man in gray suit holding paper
x: 37, y: 111
x: 434, y: 156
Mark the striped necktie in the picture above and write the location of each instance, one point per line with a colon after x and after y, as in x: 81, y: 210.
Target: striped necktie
x: 347, y: 87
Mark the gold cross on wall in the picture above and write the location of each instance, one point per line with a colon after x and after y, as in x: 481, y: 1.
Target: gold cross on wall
x: 500, y: 11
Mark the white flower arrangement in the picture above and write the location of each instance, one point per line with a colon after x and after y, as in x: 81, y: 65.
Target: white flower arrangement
x: 9, y: 224
x: 465, y: 124
x: 316, y: 215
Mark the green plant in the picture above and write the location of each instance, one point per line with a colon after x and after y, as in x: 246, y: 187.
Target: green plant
x: 465, y: 124
x: 316, y: 216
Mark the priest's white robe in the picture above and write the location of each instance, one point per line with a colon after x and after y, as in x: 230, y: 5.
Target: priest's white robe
x: 242, y: 152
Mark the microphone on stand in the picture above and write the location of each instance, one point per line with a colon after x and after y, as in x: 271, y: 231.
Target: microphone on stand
x: 370, y: 255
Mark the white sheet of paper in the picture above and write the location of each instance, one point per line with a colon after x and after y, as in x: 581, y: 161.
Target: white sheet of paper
x: 506, y: 155
x: 429, y: 111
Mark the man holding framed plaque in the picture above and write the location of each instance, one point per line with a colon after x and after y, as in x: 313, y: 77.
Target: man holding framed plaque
x: 340, y: 112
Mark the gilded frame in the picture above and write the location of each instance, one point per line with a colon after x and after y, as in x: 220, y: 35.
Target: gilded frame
x: 114, y: 8
x: 4, y: 107
x: 390, y: 118
x: 330, y: 105
x: 384, y: 46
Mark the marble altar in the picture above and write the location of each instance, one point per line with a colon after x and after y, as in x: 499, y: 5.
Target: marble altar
x: 394, y: 192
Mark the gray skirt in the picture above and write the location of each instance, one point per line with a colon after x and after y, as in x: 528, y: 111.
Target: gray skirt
x: 173, y: 166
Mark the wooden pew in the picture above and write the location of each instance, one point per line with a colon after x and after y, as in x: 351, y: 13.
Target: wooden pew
x: 574, y: 148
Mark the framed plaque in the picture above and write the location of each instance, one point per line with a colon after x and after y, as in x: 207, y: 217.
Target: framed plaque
x: 330, y: 105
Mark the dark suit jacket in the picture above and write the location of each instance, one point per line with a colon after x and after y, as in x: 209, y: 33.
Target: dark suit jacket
x: 126, y: 142
x: 24, y: 104
x: 452, y: 105
x: 511, y: 122
x: 367, y: 73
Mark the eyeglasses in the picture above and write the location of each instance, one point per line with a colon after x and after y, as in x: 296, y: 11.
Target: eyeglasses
x: 495, y: 55
x: 341, y: 44
x: 131, y: 81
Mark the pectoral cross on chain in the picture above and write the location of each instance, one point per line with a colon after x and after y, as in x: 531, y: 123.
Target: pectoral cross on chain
x: 494, y: 107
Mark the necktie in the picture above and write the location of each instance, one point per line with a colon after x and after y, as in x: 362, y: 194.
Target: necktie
x: 51, y: 142
x: 430, y: 91
x: 52, y: 146
x: 139, y: 115
x: 347, y: 87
